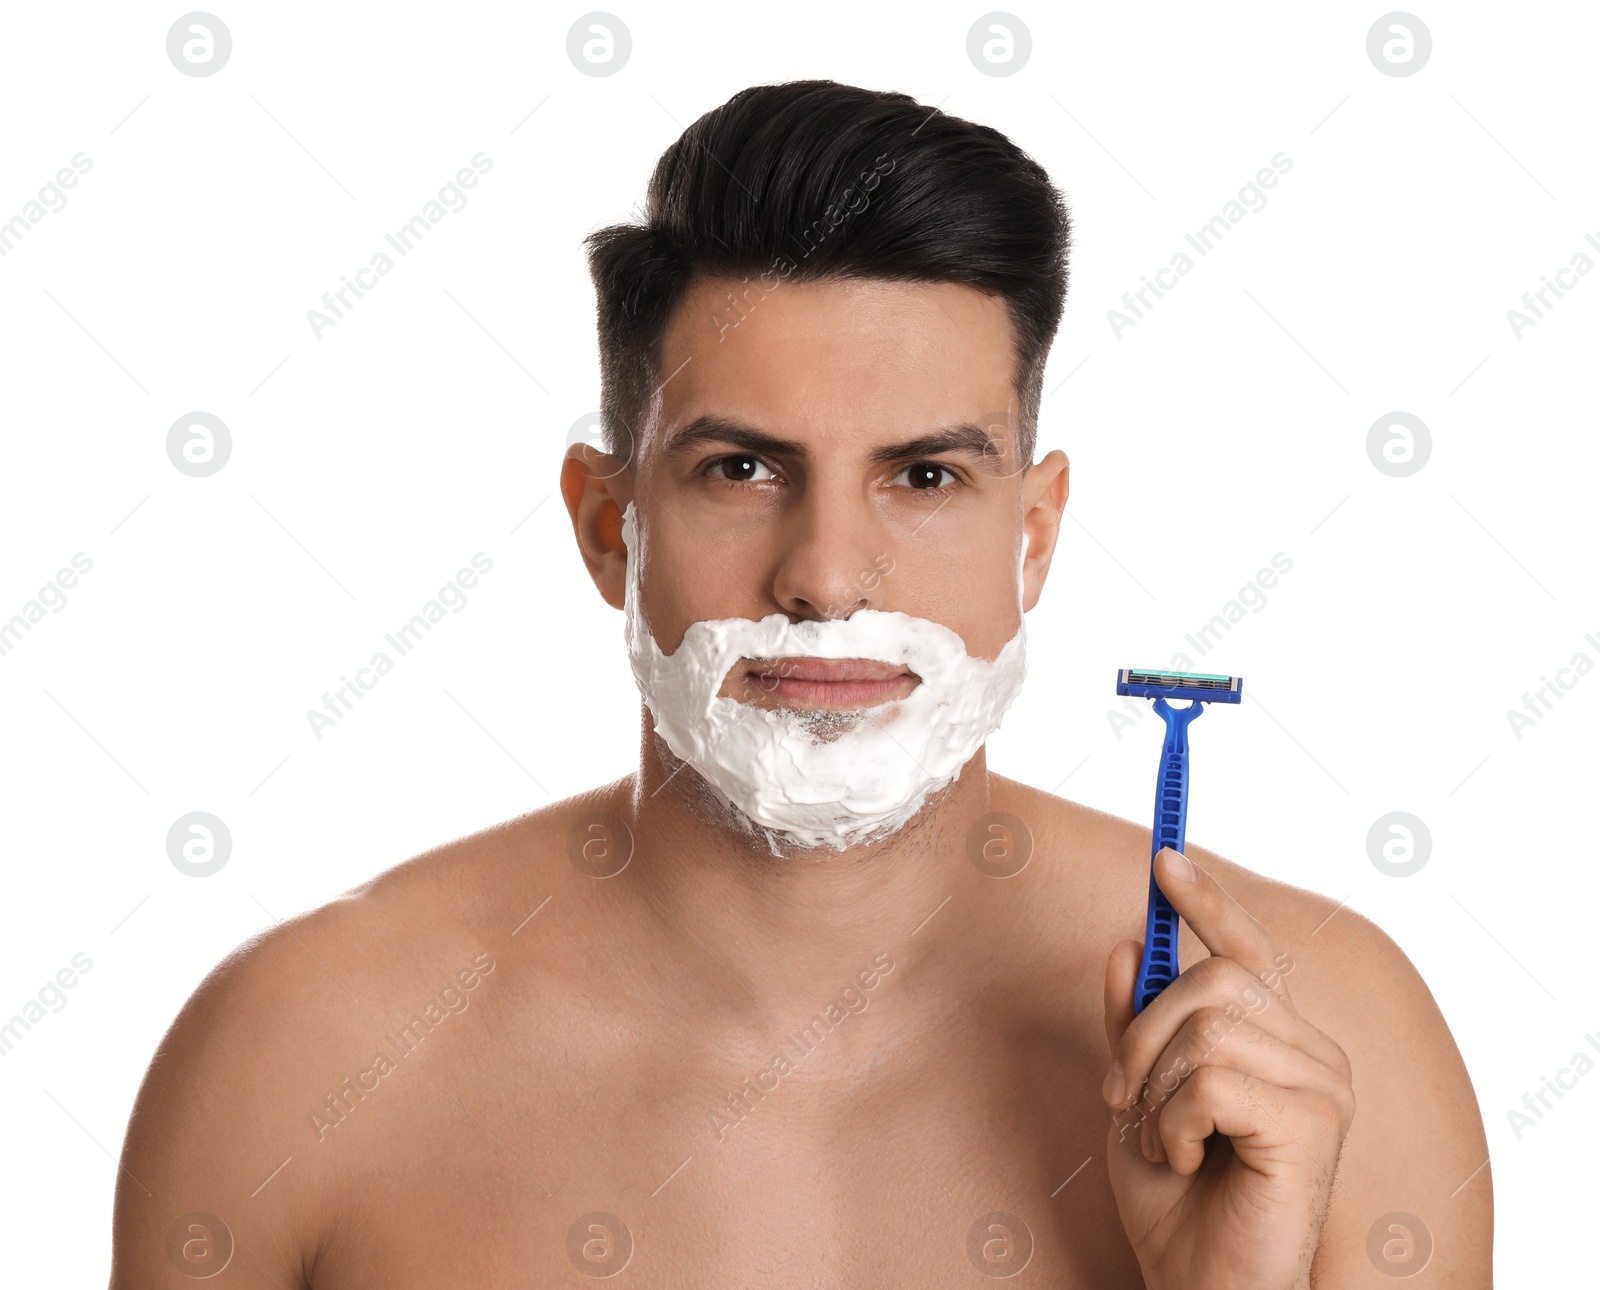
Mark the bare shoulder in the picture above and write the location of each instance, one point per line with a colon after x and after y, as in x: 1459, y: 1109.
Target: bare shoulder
x: 1103, y: 861
x: 1413, y: 1186
x: 225, y: 1160
x: 1413, y: 1182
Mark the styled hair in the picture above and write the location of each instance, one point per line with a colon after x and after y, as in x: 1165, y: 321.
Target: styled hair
x: 811, y: 180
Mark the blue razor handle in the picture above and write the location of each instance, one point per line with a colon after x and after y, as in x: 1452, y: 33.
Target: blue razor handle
x: 1158, y: 964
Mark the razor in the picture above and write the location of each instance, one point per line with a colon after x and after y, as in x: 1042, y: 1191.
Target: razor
x: 1158, y: 965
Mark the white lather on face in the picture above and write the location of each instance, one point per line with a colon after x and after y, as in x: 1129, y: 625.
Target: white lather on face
x: 799, y: 774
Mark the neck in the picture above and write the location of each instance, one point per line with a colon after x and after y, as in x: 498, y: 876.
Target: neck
x: 786, y: 922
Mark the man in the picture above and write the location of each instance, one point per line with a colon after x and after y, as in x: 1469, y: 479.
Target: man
x: 812, y: 998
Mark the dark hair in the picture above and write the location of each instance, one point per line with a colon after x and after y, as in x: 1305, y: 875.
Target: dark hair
x: 810, y: 180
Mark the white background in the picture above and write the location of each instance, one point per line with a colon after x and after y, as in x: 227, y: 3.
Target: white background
x: 1227, y: 425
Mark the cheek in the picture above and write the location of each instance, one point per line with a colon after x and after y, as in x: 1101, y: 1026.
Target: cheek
x: 986, y: 630
x: 662, y: 618
x: 667, y: 618
x: 683, y: 583
x: 974, y: 595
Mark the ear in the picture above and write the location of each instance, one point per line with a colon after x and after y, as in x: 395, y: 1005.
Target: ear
x: 597, y: 487
x: 1044, y: 498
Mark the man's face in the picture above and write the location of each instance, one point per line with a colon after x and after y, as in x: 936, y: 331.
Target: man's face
x: 785, y: 474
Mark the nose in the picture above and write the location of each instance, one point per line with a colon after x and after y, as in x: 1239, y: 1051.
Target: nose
x: 833, y: 561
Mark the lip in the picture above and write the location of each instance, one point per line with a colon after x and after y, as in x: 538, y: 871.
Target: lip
x: 828, y: 683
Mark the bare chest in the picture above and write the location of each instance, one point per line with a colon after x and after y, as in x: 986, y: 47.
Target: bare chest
x: 808, y: 1157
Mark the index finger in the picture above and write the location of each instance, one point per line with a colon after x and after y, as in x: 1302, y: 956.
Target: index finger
x: 1224, y: 926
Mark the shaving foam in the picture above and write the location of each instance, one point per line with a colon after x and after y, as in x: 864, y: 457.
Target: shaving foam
x: 819, y: 779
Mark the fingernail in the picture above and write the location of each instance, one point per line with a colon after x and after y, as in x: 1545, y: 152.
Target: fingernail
x: 1116, y: 1085
x: 1178, y: 865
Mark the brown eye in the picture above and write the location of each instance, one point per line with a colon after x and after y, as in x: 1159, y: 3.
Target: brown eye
x: 739, y: 468
x: 924, y: 475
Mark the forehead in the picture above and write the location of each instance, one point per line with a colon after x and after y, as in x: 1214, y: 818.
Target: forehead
x: 867, y: 358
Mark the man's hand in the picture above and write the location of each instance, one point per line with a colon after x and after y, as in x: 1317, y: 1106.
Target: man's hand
x: 1223, y: 1166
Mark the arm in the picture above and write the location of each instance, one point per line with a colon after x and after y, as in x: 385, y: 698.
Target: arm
x: 1418, y: 1146
x: 214, y: 1118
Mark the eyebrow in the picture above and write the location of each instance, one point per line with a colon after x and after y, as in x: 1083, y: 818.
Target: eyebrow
x: 961, y: 437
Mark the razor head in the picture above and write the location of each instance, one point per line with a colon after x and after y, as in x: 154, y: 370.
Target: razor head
x: 1208, y: 687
